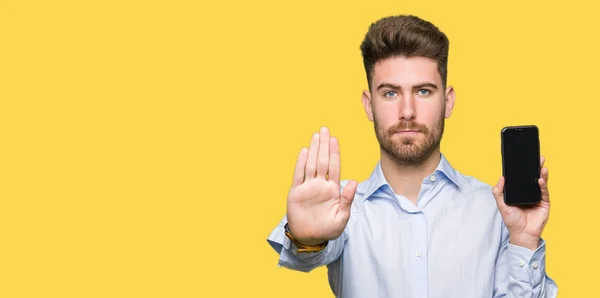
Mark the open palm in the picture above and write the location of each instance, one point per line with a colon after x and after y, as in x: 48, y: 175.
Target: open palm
x: 316, y: 210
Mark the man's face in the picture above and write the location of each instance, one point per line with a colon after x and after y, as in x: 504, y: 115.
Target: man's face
x: 409, y: 107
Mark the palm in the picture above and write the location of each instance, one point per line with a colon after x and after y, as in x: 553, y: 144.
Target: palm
x: 525, y: 222
x: 530, y: 221
x: 316, y: 210
x: 315, y: 205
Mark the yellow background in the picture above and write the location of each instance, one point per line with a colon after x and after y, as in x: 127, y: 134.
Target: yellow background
x: 147, y: 147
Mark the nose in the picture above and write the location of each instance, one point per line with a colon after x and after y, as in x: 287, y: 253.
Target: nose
x: 407, y: 108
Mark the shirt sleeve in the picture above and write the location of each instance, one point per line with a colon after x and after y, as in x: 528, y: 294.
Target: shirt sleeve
x: 290, y: 258
x: 521, y: 272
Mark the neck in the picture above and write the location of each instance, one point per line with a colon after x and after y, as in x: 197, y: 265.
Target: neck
x: 405, y: 179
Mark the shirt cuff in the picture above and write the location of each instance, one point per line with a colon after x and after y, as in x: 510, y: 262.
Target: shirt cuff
x: 526, y: 265
x: 287, y: 250
x: 278, y: 240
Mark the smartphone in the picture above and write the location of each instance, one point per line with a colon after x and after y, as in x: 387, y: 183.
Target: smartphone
x: 521, y: 165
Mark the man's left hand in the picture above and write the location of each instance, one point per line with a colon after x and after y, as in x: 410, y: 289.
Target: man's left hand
x: 525, y: 224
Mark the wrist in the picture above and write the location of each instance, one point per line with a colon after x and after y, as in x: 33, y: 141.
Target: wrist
x: 310, y: 242
x: 306, y: 245
x: 526, y: 241
x: 303, y: 237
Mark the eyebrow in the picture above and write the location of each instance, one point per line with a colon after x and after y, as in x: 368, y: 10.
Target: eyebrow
x: 418, y: 86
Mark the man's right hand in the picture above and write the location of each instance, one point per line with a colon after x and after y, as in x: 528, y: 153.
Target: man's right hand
x: 316, y: 212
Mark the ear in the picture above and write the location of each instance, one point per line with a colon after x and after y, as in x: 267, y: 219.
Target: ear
x: 450, y: 99
x: 366, y: 101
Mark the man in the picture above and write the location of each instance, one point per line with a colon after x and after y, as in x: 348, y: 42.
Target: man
x: 417, y: 227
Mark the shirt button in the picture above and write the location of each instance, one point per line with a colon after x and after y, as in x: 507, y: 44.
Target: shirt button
x: 432, y: 178
x: 534, y: 265
x: 419, y: 254
x: 521, y: 263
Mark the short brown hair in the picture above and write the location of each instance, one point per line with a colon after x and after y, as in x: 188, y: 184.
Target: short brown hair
x: 404, y: 35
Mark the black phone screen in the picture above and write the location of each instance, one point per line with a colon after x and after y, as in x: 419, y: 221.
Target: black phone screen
x: 521, y: 165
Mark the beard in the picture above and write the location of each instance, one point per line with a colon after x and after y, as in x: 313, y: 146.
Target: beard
x: 410, y: 150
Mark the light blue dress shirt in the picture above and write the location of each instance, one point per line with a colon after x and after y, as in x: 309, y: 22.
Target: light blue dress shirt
x: 452, y: 244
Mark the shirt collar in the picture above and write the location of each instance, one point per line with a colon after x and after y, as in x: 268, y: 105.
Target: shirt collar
x: 377, y: 179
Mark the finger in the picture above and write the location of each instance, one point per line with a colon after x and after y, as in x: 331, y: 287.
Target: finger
x: 323, y: 155
x: 542, y: 161
x: 544, y: 185
x: 311, y: 162
x: 299, y: 169
x: 498, y: 192
x: 348, y: 196
x: 334, y: 160
x: 544, y: 173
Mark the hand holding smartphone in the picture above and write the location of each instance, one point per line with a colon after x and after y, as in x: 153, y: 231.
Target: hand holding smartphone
x: 521, y: 165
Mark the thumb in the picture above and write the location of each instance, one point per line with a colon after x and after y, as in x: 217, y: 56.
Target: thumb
x: 498, y: 192
x: 348, y: 196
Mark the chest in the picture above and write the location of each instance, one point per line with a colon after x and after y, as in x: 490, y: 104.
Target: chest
x: 445, y: 247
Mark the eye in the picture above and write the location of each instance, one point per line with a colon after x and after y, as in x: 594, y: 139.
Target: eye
x: 390, y: 94
x: 424, y: 92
